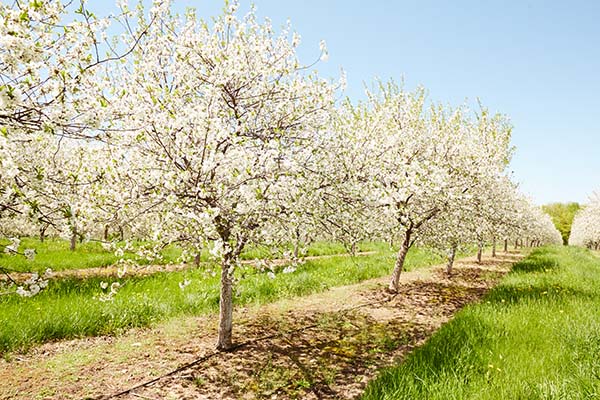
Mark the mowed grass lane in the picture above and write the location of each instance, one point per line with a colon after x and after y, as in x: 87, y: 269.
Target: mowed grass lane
x: 535, y: 336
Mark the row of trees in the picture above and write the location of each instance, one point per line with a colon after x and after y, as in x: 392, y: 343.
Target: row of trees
x: 585, y: 230
x: 214, y: 135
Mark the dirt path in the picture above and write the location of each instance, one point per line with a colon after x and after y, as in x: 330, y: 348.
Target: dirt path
x: 353, y: 332
x: 140, y: 270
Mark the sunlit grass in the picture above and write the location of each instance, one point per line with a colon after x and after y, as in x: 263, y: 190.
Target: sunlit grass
x: 535, y: 336
x: 70, y: 308
x: 55, y: 254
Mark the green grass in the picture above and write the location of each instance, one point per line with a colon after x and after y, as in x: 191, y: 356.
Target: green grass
x: 535, y: 336
x: 69, y: 308
x: 56, y: 255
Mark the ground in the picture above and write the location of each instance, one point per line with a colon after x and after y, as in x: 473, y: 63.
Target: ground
x: 323, y: 346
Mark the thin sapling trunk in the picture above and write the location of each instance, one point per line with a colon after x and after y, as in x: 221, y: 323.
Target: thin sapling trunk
x: 404, y: 247
x: 451, y: 258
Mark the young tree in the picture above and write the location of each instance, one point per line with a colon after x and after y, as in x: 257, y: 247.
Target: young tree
x: 416, y: 163
x: 215, y: 121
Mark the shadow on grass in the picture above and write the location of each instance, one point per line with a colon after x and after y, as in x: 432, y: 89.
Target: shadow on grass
x: 536, y: 262
x: 324, y: 361
x: 550, y: 292
x: 336, y: 357
x: 457, y: 358
x: 451, y: 352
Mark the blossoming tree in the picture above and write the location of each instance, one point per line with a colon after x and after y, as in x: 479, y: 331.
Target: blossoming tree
x: 214, y: 121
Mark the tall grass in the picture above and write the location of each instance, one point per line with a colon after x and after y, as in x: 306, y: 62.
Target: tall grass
x: 535, y: 336
x: 71, y: 307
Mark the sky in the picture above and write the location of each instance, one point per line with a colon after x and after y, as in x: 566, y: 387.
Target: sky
x: 538, y: 62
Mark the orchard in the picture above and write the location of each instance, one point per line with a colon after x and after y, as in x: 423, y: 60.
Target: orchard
x: 150, y: 133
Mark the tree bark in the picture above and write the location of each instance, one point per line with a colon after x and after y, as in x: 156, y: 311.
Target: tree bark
x: 393, y: 286
x: 494, y: 247
x: 451, y: 260
x: 479, y: 253
x: 353, y: 249
x: 297, y: 243
x: 225, y: 341
x: 506, y: 245
x: 43, y: 233
x: 197, y: 260
x: 73, y: 239
x: 105, y: 232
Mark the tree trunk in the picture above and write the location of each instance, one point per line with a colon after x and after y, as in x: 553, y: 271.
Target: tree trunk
x: 353, y: 249
x: 506, y: 245
x: 451, y: 260
x: 516, y: 244
x: 197, y: 260
x: 43, y: 233
x: 297, y: 243
x: 393, y: 287
x: 73, y: 239
x: 226, y: 306
x: 494, y: 247
x: 479, y: 253
x: 105, y: 233
x: 121, y: 233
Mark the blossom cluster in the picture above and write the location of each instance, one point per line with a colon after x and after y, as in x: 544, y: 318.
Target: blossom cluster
x: 585, y: 230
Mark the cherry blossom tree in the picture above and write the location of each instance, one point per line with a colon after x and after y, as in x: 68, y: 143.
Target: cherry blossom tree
x: 585, y: 230
x: 416, y: 162
x: 214, y: 120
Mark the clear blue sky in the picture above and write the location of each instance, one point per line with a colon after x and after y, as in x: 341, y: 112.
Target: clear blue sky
x: 536, y: 61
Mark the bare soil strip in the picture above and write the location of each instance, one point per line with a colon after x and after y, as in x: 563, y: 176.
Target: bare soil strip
x: 142, y: 270
x: 333, y: 360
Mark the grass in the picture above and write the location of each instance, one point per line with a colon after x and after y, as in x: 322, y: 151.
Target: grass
x: 55, y: 254
x: 70, y: 308
x: 535, y: 336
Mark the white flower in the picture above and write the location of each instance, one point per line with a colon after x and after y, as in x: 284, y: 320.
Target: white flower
x: 271, y: 275
x: 289, y: 269
x: 324, y: 51
x: 184, y: 284
x: 104, y: 285
x: 29, y: 254
x: 34, y: 289
x: 295, y: 39
x: 322, y: 46
x: 343, y: 80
